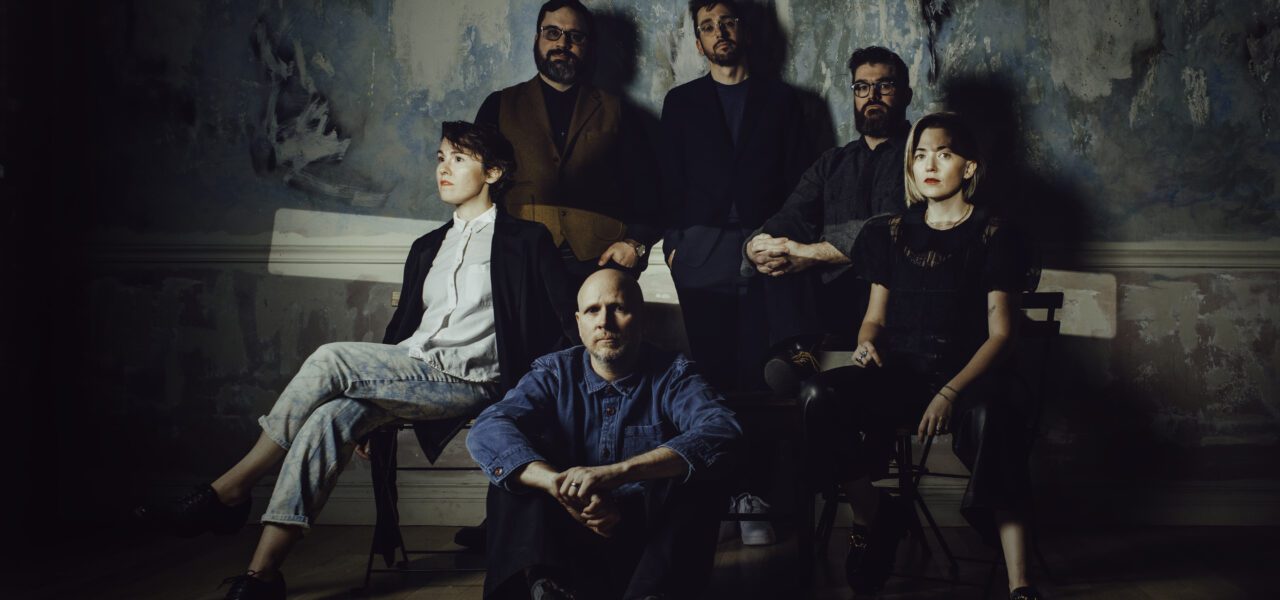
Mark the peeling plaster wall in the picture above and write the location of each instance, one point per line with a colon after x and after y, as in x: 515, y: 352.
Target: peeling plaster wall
x: 1144, y: 121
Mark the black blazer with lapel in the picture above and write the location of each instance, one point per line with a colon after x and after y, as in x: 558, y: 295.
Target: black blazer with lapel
x: 703, y: 172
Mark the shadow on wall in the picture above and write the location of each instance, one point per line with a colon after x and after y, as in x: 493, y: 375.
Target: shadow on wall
x: 768, y: 55
x: 1089, y: 420
x: 1048, y: 209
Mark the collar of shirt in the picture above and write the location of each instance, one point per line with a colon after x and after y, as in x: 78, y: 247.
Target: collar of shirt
x: 478, y: 222
x: 594, y: 383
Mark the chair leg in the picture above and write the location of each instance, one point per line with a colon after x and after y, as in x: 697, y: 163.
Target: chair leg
x: 937, y: 534
x: 1044, y: 564
x: 368, y: 568
x: 907, y: 492
x: 826, y: 522
x: 991, y: 580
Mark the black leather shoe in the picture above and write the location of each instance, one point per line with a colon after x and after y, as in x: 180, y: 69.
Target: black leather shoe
x: 472, y: 538
x: 859, y: 539
x: 546, y: 588
x: 881, y: 546
x: 194, y: 514
x: 1025, y: 593
x: 248, y: 587
x: 790, y: 366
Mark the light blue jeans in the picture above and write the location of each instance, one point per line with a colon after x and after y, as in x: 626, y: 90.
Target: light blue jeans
x: 343, y: 392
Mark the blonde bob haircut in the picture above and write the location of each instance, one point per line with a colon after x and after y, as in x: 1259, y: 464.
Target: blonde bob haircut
x: 963, y: 143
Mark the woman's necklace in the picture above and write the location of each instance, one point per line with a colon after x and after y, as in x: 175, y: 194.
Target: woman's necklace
x: 949, y: 224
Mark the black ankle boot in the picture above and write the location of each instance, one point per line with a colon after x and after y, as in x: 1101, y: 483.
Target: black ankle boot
x: 194, y: 514
x: 248, y: 587
x: 1026, y: 592
x: 880, y: 548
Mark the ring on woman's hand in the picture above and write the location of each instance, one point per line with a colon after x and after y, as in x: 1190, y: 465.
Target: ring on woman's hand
x: 573, y: 485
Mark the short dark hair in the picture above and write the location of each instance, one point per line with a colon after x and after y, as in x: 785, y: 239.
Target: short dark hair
x: 878, y: 55
x: 697, y: 5
x: 964, y: 142
x: 584, y: 13
x: 487, y: 145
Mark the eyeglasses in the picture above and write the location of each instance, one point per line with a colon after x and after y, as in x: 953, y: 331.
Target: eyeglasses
x: 728, y: 23
x: 551, y: 33
x: 862, y: 89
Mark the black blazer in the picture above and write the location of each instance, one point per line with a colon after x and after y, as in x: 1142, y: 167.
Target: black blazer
x: 532, y: 304
x: 703, y: 173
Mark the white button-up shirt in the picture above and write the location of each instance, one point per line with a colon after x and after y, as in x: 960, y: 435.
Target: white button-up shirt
x: 457, y: 334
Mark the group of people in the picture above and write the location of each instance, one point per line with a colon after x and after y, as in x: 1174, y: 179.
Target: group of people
x: 607, y: 456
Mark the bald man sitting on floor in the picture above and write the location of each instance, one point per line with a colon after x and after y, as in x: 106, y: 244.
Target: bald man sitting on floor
x: 601, y: 461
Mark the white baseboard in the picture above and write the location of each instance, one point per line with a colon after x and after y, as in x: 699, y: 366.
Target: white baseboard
x: 456, y: 498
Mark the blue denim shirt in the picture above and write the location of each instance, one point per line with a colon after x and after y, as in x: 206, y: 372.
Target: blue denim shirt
x: 563, y: 413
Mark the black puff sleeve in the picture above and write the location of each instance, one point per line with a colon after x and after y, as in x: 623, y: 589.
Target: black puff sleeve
x: 872, y: 250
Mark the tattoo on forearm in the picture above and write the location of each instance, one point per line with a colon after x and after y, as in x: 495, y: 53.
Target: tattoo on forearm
x: 991, y: 310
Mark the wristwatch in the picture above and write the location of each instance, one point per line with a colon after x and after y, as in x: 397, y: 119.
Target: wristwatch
x: 641, y: 251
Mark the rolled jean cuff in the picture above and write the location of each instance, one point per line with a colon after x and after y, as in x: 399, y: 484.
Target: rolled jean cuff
x: 280, y: 440
x: 286, y: 519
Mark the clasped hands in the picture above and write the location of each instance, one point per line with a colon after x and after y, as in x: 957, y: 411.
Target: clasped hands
x: 584, y: 494
x: 936, y: 417
x: 776, y: 256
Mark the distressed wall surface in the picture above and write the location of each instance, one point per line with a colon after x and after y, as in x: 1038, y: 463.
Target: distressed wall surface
x: 1139, y: 122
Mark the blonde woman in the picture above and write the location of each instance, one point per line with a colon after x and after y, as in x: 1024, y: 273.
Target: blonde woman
x: 945, y: 282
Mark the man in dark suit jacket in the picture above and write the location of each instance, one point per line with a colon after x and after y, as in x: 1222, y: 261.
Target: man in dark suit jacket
x: 585, y: 166
x: 731, y: 151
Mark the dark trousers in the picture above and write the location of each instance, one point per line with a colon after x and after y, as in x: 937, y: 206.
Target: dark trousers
x: 724, y: 315
x: 664, y: 546
x: 852, y: 414
x: 801, y: 306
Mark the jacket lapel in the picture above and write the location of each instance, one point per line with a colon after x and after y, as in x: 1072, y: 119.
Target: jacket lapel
x: 536, y: 112
x: 585, y: 107
x: 433, y: 248
x: 501, y: 272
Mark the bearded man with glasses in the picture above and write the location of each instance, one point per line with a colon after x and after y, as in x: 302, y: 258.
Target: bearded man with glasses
x: 804, y: 250
x: 587, y: 170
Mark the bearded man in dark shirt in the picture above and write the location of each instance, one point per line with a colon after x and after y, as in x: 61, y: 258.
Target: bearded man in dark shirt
x: 804, y: 250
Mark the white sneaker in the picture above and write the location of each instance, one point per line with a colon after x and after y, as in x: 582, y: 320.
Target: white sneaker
x: 754, y: 533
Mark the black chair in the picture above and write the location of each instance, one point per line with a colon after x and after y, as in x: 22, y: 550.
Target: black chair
x: 384, y: 458
x: 908, y: 473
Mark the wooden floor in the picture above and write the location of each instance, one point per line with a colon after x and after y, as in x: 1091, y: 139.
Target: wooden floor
x: 1152, y: 563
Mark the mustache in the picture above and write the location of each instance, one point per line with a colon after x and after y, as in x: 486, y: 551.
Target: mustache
x: 874, y: 103
x: 565, y: 53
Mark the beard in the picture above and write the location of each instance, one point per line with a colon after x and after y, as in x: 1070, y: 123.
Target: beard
x: 730, y: 56
x: 881, y: 124
x: 564, y: 71
x: 615, y: 354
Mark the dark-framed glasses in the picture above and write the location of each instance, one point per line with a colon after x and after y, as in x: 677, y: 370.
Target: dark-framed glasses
x: 862, y: 89
x: 551, y: 33
x: 709, y: 27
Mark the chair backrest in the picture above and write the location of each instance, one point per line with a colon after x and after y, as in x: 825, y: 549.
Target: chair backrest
x: 1043, y: 333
